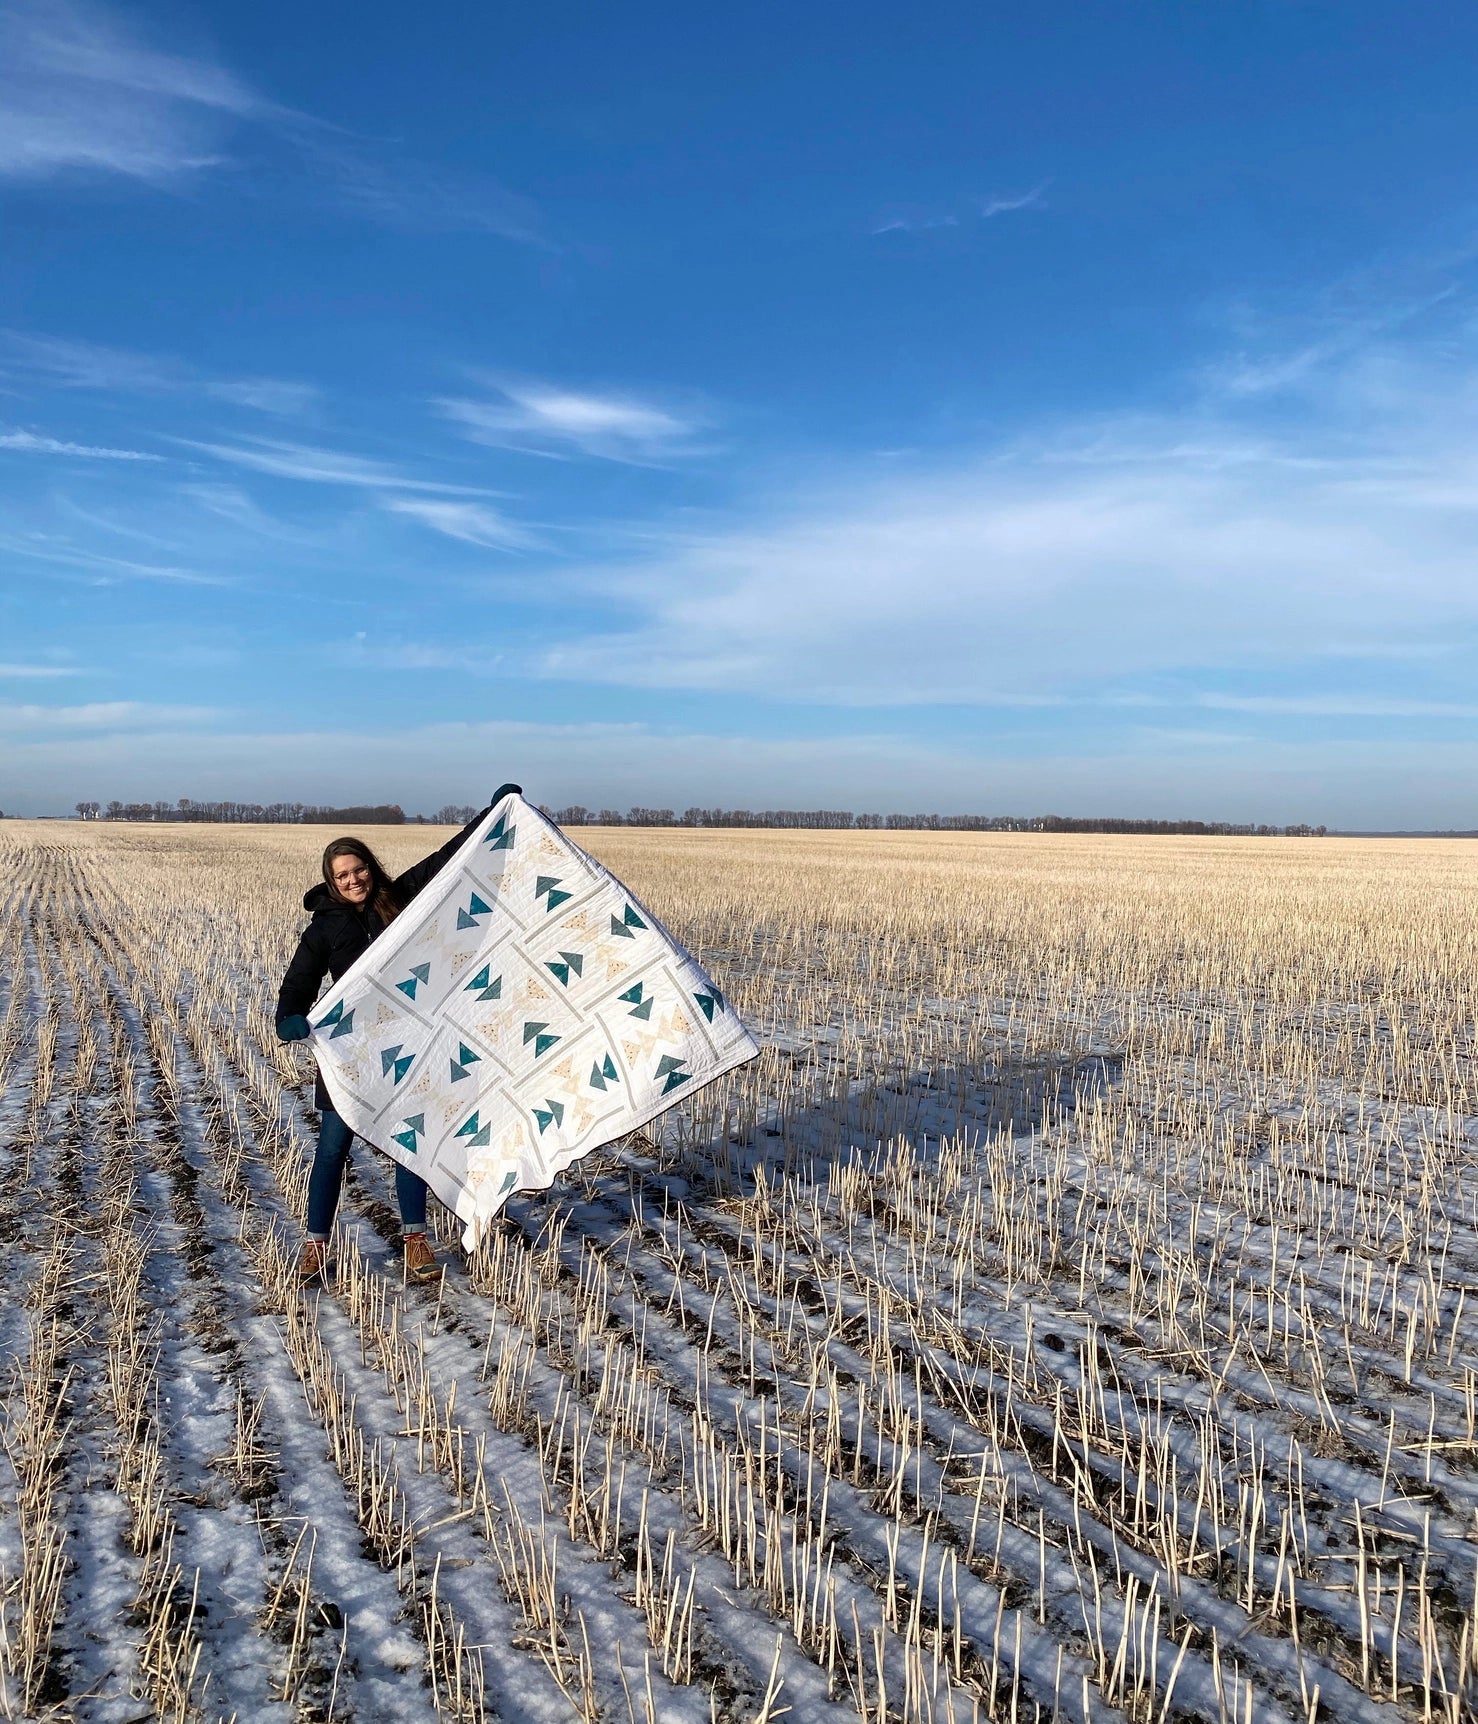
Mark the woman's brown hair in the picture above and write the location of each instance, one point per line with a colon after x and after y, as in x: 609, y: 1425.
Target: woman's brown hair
x: 382, y: 889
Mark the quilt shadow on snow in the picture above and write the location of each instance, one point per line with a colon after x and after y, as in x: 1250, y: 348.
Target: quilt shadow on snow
x: 927, y: 1107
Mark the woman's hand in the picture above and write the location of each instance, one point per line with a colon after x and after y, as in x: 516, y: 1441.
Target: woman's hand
x: 506, y: 790
x: 294, y: 1029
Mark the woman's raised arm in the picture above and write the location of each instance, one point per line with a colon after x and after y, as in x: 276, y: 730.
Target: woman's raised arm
x: 415, y: 877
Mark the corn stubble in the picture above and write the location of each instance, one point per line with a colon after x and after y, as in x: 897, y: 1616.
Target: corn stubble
x: 1072, y: 1315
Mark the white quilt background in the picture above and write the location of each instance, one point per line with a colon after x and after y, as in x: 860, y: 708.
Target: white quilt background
x: 524, y: 1008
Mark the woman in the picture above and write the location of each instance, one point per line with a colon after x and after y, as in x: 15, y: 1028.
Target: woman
x: 356, y: 901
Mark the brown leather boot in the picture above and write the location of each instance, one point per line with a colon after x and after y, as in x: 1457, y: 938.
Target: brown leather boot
x: 313, y: 1263
x: 420, y: 1259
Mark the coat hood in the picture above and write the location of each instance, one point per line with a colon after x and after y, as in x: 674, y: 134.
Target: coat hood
x: 319, y: 897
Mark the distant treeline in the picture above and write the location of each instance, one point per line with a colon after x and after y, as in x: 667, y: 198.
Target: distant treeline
x: 242, y: 813
x: 815, y: 819
x: 841, y: 820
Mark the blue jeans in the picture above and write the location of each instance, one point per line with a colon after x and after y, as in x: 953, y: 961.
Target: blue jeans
x: 327, y: 1176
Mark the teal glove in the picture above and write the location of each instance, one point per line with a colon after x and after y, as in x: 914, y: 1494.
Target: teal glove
x: 507, y: 790
x: 294, y: 1029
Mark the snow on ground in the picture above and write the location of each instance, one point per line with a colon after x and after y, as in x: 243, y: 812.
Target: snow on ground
x: 1026, y: 1335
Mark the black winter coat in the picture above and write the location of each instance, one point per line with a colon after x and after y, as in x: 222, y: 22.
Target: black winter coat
x: 339, y: 933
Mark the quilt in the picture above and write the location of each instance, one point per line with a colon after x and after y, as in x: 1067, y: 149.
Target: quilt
x: 523, y: 1009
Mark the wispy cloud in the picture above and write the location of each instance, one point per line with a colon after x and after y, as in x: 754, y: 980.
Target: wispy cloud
x: 316, y: 466
x: 29, y: 443
x: 416, y: 655
x: 58, y: 554
x: 550, y: 419
x: 471, y: 523
x: 40, y: 670
x: 999, y: 204
x: 69, y: 364
x: 420, y: 197
x: 1339, y: 706
x: 918, y: 218
x: 80, y: 92
x: 267, y: 395
x: 102, y: 715
x: 911, y: 220
x: 1182, y: 546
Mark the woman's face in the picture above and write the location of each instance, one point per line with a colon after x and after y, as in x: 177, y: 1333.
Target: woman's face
x: 352, y: 879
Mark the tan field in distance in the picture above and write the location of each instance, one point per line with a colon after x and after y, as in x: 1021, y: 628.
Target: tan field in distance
x: 1072, y: 1315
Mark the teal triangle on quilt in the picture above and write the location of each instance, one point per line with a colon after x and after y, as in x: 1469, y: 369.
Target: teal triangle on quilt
x: 480, y: 1135
x: 419, y: 973
x: 468, y: 918
x: 417, y: 1124
x: 391, y: 1059
x: 491, y: 990
x: 568, y: 964
x: 604, y: 1072
x: 547, y: 887
x: 501, y: 835
x: 552, y: 1113
x: 535, y: 1033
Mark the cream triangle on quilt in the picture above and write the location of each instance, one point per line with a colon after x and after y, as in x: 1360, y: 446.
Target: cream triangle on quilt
x: 384, y: 1016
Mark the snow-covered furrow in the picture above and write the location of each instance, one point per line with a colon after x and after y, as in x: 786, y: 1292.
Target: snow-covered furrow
x: 743, y: 1647
x: 1012, y: 1331
x: 1343, y: 1612
x: 865, y: 1530
x: 752, y: 1642
x: 247, y: 1549
x: 199, y: 1567
x: 54, y: 1409
x: 884, y: 1229
x: 353, y: 1645
x: 1021, y: 1553
x: 1154, y: 1373
x: 761, y: 1652
x: 459, y: 1550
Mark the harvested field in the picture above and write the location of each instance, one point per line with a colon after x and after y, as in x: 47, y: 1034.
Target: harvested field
x: 1072, y: 1315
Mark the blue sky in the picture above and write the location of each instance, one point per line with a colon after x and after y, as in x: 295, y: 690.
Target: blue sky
x: 967, y: 408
